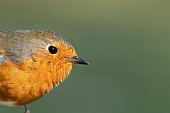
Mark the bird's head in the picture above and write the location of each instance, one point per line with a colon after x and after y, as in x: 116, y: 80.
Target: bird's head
x: 52, y: 56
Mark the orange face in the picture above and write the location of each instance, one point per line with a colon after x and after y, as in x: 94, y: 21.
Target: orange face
x: 55, y: 54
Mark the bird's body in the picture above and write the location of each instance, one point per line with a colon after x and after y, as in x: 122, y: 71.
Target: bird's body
x: 32, y: 63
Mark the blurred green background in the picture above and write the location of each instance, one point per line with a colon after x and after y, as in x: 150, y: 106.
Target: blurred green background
x: 127, y: 43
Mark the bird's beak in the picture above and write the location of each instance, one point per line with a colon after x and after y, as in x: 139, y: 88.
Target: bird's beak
x: 78, y: 60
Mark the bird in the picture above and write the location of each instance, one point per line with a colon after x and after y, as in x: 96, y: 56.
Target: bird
x: 32, y: 63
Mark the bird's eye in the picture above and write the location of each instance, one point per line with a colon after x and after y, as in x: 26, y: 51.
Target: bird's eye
x: 52, y: 49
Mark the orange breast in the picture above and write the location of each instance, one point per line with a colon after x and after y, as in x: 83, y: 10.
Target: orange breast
x: 29, y: 81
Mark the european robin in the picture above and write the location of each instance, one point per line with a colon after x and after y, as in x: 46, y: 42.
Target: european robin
x: 32, y: 63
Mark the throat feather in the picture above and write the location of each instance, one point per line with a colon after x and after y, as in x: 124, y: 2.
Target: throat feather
x: 46, y: 77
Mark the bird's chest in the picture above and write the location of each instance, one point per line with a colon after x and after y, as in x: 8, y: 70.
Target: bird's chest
x: 12, y: 94
x: 20, y: 87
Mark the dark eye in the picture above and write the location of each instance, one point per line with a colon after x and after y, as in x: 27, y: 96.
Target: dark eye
x: 52, y: 49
